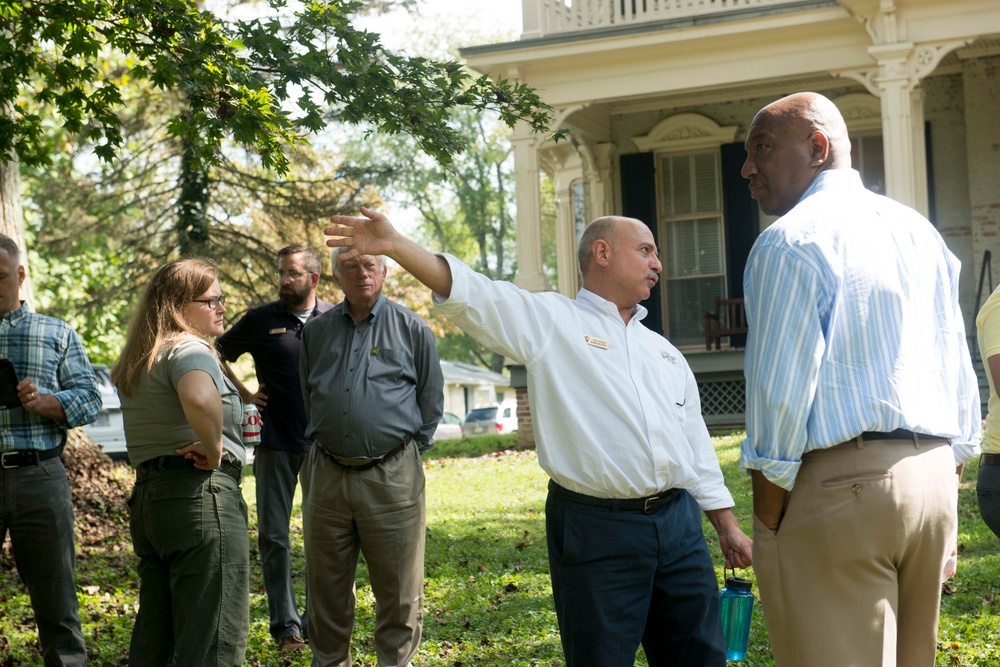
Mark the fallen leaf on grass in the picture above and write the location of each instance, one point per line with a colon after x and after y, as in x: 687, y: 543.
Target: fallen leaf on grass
x: 523, y: 543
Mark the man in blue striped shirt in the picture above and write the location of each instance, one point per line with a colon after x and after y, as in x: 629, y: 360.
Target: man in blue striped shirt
x: 57, y: 390
x: 861, y: 401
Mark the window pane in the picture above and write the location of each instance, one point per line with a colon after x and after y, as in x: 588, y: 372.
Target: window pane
x: 687, y: 303
x: 710, y: 245
x: 694, y: 247
x: 676, y: 175
x: 706, y: 178
x: 579, y: 195
x: 872, y: 163
x: 683, y: 249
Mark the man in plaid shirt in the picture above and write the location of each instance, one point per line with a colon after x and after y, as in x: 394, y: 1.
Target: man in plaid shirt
x: 57, y: 390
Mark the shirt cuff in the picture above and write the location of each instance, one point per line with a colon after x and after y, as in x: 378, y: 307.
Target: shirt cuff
x: 75, y: 408
x: 713, y: 498
x: 459, y: 285
x: 965, y: 451
x: 778, y: 472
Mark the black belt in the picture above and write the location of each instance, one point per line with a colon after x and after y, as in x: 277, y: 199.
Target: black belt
x: 989, y: 460
x: 898, y: 434
x: 368, y: 464
x: 646, y: 505
x: 181, y: 463
x: 27, y: 457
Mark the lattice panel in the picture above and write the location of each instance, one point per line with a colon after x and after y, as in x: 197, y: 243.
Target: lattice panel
x: 723, y: 397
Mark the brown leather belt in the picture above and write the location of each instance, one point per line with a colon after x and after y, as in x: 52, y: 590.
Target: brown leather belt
x: 367, y: 464
x: 898, y: 434
x: 646, y: 505
x: 989, y: 460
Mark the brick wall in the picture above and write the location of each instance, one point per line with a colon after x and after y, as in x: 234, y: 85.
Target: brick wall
x: 525, y: 427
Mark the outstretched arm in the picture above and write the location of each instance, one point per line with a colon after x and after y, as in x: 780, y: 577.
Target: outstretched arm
x: 374, y: 235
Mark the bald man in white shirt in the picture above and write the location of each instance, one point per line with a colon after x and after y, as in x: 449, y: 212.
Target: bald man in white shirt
x: 618, y: 430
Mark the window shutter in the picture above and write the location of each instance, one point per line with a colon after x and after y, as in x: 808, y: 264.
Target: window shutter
x: 638, y: 179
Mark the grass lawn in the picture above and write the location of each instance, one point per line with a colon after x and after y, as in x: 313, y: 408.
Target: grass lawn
x: 487, y: 595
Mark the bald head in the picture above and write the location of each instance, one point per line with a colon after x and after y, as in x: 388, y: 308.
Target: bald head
x: 814, y: 112
x: 789, y: 143
x: 619, y: 261
x: 600, y: 229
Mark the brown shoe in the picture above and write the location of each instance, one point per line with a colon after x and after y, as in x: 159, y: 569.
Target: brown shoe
x: 291, y: 643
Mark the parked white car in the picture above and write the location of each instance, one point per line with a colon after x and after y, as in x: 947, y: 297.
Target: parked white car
x: 491, y: 420
x: 449, y: 427
x: 109, y: 429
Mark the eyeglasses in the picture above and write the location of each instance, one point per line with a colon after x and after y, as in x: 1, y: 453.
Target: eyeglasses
x: 214, y: 302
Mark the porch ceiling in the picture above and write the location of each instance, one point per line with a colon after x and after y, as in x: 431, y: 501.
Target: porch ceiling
x: 611, y: 73
x: 615, y: 68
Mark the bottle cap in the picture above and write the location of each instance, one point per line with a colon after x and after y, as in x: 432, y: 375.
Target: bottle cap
x: 735, y: 583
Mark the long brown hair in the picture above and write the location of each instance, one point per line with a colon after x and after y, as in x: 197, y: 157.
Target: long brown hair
x: 158, y: 321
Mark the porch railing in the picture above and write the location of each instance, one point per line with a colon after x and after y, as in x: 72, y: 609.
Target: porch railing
x: 546, y: 17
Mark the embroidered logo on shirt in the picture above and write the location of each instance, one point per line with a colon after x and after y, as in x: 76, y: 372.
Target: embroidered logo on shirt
x: 375, y: 350
x: 597, y: 342
x: 279, y: 330
x: 669, y: 357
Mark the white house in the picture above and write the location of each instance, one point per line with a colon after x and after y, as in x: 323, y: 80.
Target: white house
x: 467, y: 387
x: 657, y: 95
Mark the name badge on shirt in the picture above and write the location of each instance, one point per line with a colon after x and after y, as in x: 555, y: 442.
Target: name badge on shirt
x: 597, y: 342
x: 279, y: 330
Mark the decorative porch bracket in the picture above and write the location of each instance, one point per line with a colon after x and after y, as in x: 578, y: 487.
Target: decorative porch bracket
x: 900, y: 68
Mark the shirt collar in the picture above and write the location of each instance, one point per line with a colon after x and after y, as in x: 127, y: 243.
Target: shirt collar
x: 832, y: 178
x: 601, y: 304
x: 345, y: 308
x: 18, y: 314
x: 280, y: 307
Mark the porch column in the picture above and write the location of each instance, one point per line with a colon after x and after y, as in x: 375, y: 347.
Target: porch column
x: 902, y: 124
x: 530, y: 275
x: 567, y: 170
x: 601, y: 193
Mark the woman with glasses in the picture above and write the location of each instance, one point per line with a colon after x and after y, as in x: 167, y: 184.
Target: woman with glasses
x: 183, y: 432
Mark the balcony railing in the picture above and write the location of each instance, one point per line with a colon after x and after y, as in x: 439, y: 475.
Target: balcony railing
x: 546, y: 17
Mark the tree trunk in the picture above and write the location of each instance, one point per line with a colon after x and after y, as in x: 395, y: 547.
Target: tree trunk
x: 12, y: 217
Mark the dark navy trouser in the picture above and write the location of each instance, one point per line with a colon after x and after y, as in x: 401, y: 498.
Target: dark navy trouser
x: 277, y: 472
x: 621, y: 578
x: 988, y: 494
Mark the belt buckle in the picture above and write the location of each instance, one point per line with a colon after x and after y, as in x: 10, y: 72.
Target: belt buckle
x: 3, y: 460
x: 647, y: 505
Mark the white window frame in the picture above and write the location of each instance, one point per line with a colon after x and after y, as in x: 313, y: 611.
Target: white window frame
x: 679, y: 135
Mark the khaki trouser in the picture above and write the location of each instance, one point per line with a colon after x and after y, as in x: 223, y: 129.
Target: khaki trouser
x: 378, y: 512
x: 853, y: 576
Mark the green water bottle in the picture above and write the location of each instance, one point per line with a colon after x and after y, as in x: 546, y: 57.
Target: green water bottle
x: 737, y: 609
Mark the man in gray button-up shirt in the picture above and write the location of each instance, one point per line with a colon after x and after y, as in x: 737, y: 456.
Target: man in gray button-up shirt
x: 372, y: 385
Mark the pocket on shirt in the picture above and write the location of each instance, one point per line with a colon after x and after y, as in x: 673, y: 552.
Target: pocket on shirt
x: 384, y: 366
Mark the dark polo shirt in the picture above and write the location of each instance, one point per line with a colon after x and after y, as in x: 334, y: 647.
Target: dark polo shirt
x: 273, y: 337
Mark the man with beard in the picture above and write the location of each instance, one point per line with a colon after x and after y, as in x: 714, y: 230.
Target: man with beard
x: 272, y: 335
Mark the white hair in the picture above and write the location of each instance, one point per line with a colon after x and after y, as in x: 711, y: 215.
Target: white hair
x: 335, y: 259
